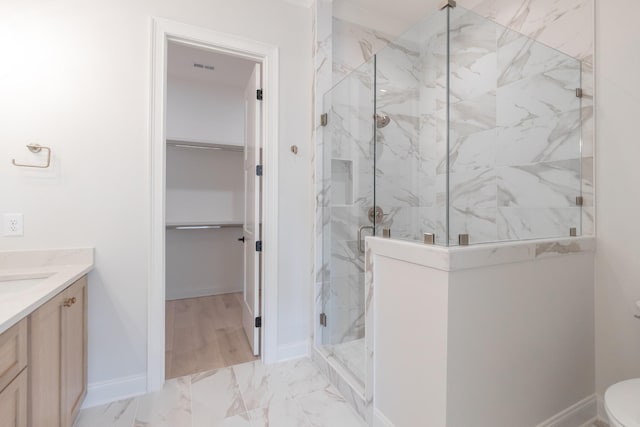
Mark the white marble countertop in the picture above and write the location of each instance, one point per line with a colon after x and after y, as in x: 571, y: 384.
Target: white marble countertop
x: 455, y: 258
x: 54, y: 271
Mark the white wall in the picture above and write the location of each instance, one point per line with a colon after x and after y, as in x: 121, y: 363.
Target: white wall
x: 617, y: 178
x: 204, y: 186
x: 76, y: 77
x: 203, y: 262
x: 210, y: 112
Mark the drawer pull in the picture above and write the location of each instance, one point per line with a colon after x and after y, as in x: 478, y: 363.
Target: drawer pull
x: 68, y: 302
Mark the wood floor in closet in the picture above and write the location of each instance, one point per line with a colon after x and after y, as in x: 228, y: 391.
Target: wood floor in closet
x: 205, y: 333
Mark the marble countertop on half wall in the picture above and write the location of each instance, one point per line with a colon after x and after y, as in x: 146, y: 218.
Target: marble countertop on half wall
x: 455, y: 258
x: 51, y: 271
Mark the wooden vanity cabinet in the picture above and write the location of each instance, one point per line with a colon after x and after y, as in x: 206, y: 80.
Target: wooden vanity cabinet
x: 13, y: 376
x: 58, y: 358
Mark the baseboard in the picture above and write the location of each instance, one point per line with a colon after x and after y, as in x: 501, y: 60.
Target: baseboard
x: 109, y: 391
x: 202, y: 292
x: 293, y: 351
x: 602, y: 413
x: 578, y: 415
x: 379, y: 420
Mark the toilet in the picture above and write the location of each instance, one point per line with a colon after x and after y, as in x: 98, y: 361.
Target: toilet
x: 622, y: 403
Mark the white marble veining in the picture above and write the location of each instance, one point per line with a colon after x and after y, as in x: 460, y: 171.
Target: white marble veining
x: 289, y: 394
x: 55, y: 270
x: 481, y: 255
x: 520, y: 142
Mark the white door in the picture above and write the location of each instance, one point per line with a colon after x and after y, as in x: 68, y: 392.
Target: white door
x: 251, y: 297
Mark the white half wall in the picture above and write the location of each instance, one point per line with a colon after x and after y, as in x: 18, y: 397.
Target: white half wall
x: 77, y: 78
x: 485, y: 335
x: 617, y: 177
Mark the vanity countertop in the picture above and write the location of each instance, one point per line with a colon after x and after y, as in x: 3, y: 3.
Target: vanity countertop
x: 28, y: 279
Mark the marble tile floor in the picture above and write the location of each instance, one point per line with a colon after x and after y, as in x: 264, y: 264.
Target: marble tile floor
x: 288, y: 394
x: 352, y: 356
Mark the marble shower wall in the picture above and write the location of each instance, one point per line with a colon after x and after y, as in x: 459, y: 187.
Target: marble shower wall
x: 493, y: 70
x: 515, y: 132
x: 500, y: 189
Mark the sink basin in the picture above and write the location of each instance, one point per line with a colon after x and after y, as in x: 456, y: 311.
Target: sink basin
x: 10, y: 283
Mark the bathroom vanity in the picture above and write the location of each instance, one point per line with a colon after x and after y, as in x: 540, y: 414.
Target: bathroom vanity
x: 43, y: 336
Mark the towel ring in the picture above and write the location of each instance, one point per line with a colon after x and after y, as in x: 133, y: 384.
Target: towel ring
x: 35, y: 148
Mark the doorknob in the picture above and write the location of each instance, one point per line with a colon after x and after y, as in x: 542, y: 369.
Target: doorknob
x: 241, y: 239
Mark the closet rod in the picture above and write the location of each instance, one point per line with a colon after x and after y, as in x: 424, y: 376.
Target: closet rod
x: 204, y: 145
x: 202, y: 226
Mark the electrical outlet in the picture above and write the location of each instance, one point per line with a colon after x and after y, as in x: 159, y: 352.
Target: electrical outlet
x: 13, y: 225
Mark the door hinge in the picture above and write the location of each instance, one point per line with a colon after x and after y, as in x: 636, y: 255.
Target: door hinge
x: 324, y: 119
x: 258, y: 322
x: 579, y: 92
x: 259, y: 170
x: 323, y: 320
x: 579, y: 201
x: 259, y: 94
x: 259, y: 246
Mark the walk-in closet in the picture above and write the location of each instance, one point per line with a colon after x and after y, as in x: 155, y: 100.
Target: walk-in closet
x: 206, y: 193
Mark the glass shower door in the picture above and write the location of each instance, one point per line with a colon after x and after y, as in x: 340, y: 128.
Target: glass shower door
x: 348, y: 196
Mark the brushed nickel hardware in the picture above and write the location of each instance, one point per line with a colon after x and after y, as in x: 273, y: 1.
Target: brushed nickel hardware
x: 573, y: 232
x: 447, y: 3
x: 376, y: 214
x: 382, y: 120
x: 324, y: 119
x: 35, y: 148
x: 429, y: 239
x: 294, y: 149
x: 360, y: 241
x: 323, y: 320
x: 386, y: 233
x: 579, y: 93
x: 68, y: 302
x: 463, y: 239
x: 579, y: 201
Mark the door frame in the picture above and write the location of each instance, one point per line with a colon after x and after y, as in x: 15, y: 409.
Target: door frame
x: 163, y: 31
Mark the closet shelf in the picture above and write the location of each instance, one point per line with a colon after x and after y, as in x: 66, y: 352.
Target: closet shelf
x: 203, y: 225
x: 202, y: 144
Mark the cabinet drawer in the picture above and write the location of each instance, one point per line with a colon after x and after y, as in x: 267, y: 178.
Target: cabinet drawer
x: 13, y: 403
x: 13, y: 352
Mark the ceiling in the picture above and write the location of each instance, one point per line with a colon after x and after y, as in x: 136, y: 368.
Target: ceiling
x: 228, y: 70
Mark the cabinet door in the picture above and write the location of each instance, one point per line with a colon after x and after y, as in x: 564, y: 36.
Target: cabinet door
x: 13, y: 403
x: 74, y: 350
x: 13, y: 352
x: 45, y: 326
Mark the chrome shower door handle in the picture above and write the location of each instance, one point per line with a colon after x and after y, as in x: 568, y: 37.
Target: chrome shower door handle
x: 360, y: 241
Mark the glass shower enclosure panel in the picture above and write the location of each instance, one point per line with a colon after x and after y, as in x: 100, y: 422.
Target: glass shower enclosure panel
x: 348, y: 214
x: 411, y: 150
x: 514, y: 134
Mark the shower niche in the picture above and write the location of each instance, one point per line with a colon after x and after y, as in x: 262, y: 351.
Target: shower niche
x: 461, y: 130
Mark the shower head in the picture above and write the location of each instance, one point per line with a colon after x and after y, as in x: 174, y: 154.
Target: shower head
x: 382, y: 121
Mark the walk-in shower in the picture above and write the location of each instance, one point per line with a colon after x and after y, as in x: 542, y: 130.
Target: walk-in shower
x: 459, y: 132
